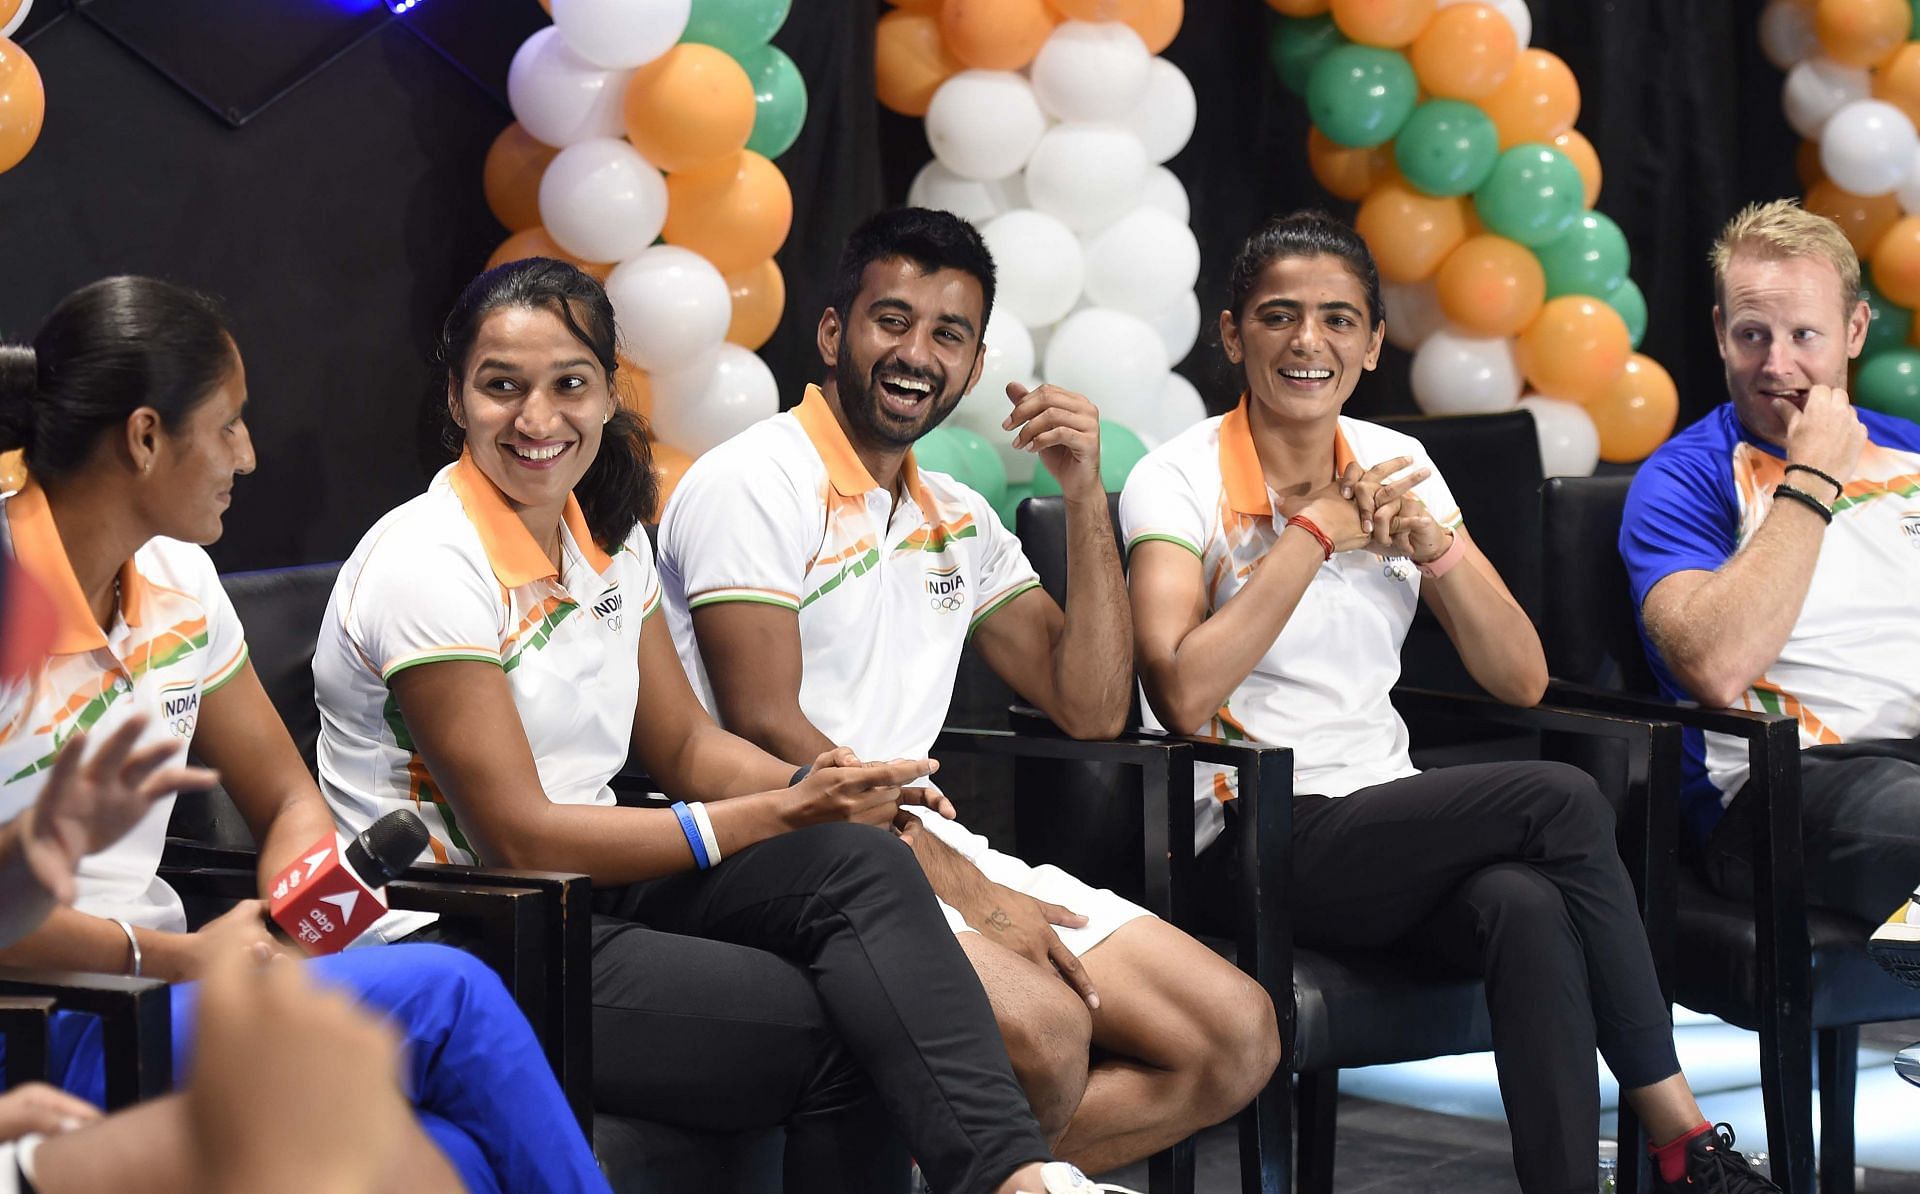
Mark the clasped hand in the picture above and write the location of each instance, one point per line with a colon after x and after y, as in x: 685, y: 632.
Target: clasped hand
x: 1375, y: 509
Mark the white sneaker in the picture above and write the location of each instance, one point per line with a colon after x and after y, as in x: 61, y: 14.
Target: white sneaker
x: 1896, y: 944
x: 1061, y: 1178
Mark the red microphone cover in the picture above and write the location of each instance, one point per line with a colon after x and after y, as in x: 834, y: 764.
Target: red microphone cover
x: 320, y: 903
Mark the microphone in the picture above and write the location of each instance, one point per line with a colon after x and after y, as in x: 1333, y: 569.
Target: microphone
x: 331, y: 894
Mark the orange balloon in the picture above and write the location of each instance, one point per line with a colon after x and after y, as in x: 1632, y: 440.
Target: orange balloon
x: 1806, y: 164
x: 1159, y: 23
x: 1636, y: 413
x: 1539, y: 100
x: 23, y: 104
x: 692, y: 105
x: 735, y: 213
x: 1864, y: 218
x: 1580, y: 152
x: 13, y: 470
x: 917, y: 5
x: 1491, y: 286
x: 1388, y: 23
x: 1465, y: 52
x: 759, y: 297
x: 1898, y: 80
x: 910, y: 60
x: 995, y: 34
x: 511, y: 177
x: 1410, y: 233
x: 1294, y: 8
x: 534, y: 242
x: 1575, y: 348
x: 1347, y: 173
x: 1102, y: 10
x: 546, y: 6
x: 669, y: 465
x: 633, y: 388
x: 1896, y: 262
x: 1862, y: 32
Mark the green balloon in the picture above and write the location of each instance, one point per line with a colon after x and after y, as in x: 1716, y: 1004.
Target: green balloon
x: 1359, y: 96
x: 1008, y: 507
x: 735, y: 26
x: 1913, y: 26
x: 1447, y: 147
x: 1299, y: 42
x: 942, y: 451
x: 1632, y: 306
x: 1534, y: 195
x: 1890, y: 323
x: 1889, y: 382
x: 1591, y: 258
x: 985, y: 474
x: 1120, y: 450
x: 779, y: 100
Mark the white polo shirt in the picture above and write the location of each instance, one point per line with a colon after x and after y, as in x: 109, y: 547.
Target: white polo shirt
x: 174, y: 640
x: 455, y: 575
x: 785, y: 513
x: 1321, y: 688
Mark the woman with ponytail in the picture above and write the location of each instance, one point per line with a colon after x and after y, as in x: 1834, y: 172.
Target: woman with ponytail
x: 766, y: 953
x: 129, y: 405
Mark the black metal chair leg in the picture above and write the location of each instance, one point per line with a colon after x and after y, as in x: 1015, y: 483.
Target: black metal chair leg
x: 1785, y: 1067
x: 1170, y: 1171
x: 1319, y: 1102
x: 1839, y: 1066
x: 1266, y: 1138
x: 1635, y: 1172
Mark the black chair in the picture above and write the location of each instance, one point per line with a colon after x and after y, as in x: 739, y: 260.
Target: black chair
x: 1772, y: 964
x: 1353, y: 1008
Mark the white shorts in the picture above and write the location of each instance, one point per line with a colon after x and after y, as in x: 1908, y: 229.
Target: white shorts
x: 1105, y: 911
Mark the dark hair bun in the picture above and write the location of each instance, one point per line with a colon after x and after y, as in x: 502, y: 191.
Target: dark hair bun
x: 19, y: 381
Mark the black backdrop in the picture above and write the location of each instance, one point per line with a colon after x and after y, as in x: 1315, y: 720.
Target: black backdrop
x: 340, y: 221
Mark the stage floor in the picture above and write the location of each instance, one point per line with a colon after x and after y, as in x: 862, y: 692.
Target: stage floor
x: 1437, y: 1125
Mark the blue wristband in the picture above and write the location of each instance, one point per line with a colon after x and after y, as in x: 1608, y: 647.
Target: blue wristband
x: 691, y: 828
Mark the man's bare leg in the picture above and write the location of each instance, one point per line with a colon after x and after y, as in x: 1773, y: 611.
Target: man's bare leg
x: 1190, y: 1041
x: 1047, y: 1029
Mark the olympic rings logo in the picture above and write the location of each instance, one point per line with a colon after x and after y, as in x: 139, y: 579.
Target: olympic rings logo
x: 946, y: 604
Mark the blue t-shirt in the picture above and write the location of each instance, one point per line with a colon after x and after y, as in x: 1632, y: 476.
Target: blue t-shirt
x: 1701, y: 496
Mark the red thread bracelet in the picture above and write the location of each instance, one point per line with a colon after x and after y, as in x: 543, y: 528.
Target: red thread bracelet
x: 1320, y: 536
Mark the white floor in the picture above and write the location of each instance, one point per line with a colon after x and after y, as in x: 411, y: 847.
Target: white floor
x: 1720, y: 1061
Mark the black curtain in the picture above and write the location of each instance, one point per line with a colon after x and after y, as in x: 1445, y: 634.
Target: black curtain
x: 341, y: 221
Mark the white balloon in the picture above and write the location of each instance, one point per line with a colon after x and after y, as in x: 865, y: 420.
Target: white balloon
x: 1464, y: 375
x: 1816, y: 89
x: 1165, y: 191
x: 1114, y: 359
x: 1908, y: 192
x: 1038, y: 265
x: 559, y: 97
x: 1087, y: 175
x: 672, y: 305
x: 1180, y: 407
x: 984, y: 124
x: 1569, y: 443
x: 714, y: 399
x: 19, y: 18
x: 1413, y: 312
x: 972, y: 200
x: 621, y: 33
x: 1178, y: 325
x: 1091, y: 70
x: 1164, y: 117
x: 601, y: 201
x: 1786, y: 33
x: 1867, y: 147
x: 1009, y: 357
x: 1142, y: 262
x: 1516, y: 12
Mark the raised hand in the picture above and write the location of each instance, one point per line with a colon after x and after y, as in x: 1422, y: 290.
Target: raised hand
x: 1825, y: 434
x: 1064, y: 429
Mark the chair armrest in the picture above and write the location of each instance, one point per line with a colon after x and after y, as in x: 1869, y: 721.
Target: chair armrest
x: 136, y: 1019
x: 24, y: 1020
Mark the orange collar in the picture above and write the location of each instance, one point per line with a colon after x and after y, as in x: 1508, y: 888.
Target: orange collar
x: 37, y: 546
x: 517, y: 560
x: 847, y: 475
x: 1240, y: 472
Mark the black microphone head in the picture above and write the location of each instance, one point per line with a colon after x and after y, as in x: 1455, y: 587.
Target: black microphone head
x: 387, y: 847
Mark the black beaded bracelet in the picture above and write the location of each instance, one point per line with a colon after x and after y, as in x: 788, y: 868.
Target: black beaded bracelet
x: 1838, y: 488
x: 805, y: 770
x: 1806, y: 499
